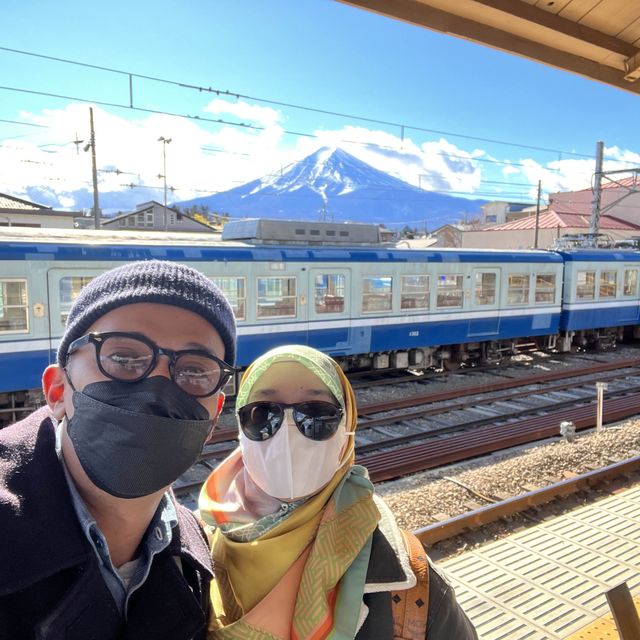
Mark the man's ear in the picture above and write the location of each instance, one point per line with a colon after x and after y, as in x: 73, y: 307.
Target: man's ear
x: 221, y: 399
x: 214, y: 420
x: 53, y: 384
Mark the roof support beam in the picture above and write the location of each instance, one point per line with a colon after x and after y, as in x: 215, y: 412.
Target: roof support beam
x: 632, y: 67
x: 561, y: 25
x: 421, y: 14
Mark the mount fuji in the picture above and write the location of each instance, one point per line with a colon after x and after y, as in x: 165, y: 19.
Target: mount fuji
x: 331, y: 184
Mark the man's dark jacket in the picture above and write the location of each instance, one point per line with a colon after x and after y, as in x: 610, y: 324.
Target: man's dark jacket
x: 50, y: 582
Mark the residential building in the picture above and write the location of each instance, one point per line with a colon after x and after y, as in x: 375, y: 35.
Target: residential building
x: 16, y: 212
x: 499, y: 212
x: 619, y: 198
x: 151, y: 216
x: 553, y: 223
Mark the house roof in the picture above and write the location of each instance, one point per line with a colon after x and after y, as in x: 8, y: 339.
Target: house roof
x: 11, y: 202
x: 553, y: 219
x: 148, y: 206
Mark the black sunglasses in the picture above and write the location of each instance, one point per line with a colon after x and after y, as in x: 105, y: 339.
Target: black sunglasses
x: 315, y: 420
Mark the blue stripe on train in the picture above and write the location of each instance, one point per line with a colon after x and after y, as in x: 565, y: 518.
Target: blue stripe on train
x: 606, y: 316
x: 23, y: 370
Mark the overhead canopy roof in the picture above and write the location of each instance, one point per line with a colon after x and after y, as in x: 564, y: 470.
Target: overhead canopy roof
x: 598, y: 39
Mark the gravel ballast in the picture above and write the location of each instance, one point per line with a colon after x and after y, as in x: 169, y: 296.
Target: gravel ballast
x: 427, y: 497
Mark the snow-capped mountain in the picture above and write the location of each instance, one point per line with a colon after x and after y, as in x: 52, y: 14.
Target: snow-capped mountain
x: 331, y: 184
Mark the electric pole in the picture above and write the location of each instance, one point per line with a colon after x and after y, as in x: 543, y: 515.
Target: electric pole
x: 597, y: 186
x: 165, y: 142
x: 92, y: 144
x: 535, y: 238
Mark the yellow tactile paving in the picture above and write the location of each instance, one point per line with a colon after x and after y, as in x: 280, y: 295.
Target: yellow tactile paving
x: 602, y: 629
x: 548, y: 582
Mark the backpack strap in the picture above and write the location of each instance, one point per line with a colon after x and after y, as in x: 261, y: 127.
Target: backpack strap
x: 410, y: 607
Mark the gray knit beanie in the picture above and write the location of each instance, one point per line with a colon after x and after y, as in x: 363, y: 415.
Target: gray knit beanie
x: 151, y: 281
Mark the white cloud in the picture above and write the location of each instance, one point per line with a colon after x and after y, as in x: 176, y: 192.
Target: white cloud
x: 205, y: 157
x: 574, y: 174
x: 247, y: 113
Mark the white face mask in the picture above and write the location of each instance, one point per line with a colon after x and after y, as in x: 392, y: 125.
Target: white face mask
x: 290, y: 466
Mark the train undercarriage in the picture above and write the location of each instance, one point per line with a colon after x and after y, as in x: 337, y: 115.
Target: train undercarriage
x: 14, y: 405
x: 453, y: 357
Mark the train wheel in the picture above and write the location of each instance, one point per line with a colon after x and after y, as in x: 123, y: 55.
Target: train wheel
x: 451, y: 364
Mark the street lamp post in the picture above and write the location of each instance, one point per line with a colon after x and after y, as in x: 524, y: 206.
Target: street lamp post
x: 165, y: 142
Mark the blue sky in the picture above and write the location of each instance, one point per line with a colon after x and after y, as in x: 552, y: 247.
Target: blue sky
x: 314, y: 53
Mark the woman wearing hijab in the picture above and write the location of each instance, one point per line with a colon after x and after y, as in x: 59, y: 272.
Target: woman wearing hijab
x: 301, y: 547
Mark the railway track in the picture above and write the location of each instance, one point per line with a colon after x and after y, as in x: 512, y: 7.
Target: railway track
x: 498, y: 509
x: 488, y: 420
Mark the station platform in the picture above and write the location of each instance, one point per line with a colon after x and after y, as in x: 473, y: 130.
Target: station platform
x: 549, y: 581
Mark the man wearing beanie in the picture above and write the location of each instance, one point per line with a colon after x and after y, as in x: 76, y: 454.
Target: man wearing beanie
x: 93, y: 543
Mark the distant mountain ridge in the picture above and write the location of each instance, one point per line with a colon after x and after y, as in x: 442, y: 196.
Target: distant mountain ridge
x: 334, y: 185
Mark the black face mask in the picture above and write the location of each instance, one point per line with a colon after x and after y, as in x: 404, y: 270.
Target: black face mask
x: 134, y: 438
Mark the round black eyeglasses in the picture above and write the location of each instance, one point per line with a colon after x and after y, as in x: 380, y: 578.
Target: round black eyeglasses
x: 130, y: 357
x: 315, y: 419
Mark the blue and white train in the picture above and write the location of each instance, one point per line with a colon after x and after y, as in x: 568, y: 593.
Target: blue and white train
x: 370, y: 306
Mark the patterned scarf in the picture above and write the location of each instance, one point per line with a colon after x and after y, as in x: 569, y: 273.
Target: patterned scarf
x: 297, y: 572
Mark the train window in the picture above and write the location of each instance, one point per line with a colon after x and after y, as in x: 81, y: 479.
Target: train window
x: 586, y: 285
x: 545, y: 288
x: 518, y: 291
x: 449, y: 292
x: 277, y: 297
x: 329, y: 293
x: 377, y: 293
x: 234, y: 290
x: 69, y: 288
x: 485, y: 288
x: 14, y: 306
x: 630, y: 282
x: 608, y: 284
x: 414, y: 293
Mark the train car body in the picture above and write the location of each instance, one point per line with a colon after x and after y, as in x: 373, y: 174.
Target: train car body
x: 600, y: 297
x: 368, y: 306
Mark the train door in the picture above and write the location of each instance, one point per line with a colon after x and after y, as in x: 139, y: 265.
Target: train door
x: 330, y: 310
x: 484, y: 320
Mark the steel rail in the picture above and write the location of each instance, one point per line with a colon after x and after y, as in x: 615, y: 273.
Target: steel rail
x: 227, y: 434
x: 504, y: 397
x: 543, y: 409
x: 403, y: 403
x: 477, y: 518
x: 387, y: 465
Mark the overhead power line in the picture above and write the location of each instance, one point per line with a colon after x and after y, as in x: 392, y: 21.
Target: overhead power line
x: 26, y: 124
x: 237, y: 95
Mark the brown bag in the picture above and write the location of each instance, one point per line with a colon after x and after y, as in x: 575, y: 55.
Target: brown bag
x: 411, y: 606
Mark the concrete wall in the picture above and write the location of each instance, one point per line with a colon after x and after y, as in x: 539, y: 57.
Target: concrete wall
x: 494, y: 212
x: 55, y: 221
